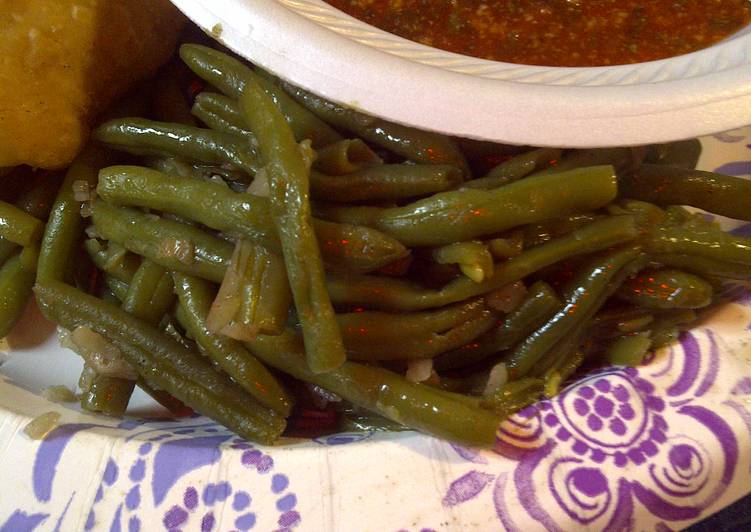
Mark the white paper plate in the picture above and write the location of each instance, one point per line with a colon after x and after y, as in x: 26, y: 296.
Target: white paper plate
x: 323, y: 50
x: 654, y: 448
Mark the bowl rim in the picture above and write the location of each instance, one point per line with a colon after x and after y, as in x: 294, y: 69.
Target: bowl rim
x: 321, y: 49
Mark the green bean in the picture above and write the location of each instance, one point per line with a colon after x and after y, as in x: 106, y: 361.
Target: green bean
x: 65, y: 225
x: 290, y: 209
x: 230, y: 76
x: 396, y: 294
x: 474, y: 259
x: 380, y: 391
x: 666, y: 185
x: 38, y: 200
x: 629, y: 350
x: 624, y: 160
x: 704, y: 266
x: 566, y: 351
x: 162, y: 362
x: 590, y: 289
x: 515, y: 395
x: 668, y: 325
x: 357, y: 420
x: 343, y: 246
x: 104, y: 393
x: 173, y: 245
x: 682, y: 153
x: 384, y: 336
x: 221, y: 113
x: 515, y: 168
x: 384, y: 182
x: 254, y: 296
x: 466, y: 214
x: 174, y: 406
x: 416, y: 145
x: 540, y: 303
x: 17, y: 226
x: 121, y: 268
x: 663, y: 289
x: 118, y: 287
x: 16, y: 280
x: 7, y: 250
x: 539, y: 233
x: 148, y: 137
x: 344, y: 157
x: 709, y: 244
x: 195, y: 297
x: 355, y: 248
x: 150, y: 294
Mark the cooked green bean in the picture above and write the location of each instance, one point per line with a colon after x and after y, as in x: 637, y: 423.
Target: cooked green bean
x: 709, y: 244
x: 169, y: 102
x: 667, y: 185
x: 230, y: 76
x: 290, y: 209
x: 416, y: 145
x: 7, y: 250
x: 515, y: 168
x: 396, y: 294
x: 668, y: 325
x: 474, y: 259
x: 343, y: 246
x: 465, y: 214
x: 622, y: 159
x: 174, y: 406
x: 65, y: 225
x: 162, y: 362
x: 515, y: 395
x: 629, y: 350
x: 221, y: 113
x: 668, y: 288
x: 509, y: 246
x: 418, y: 406
x: 118, y: 287
x: 682, y: 153
x: 38, y: 200
x: 17, y: 226
x: 16, y: 279
x: 196, y: 296
x: 150, y: 294
x: 148, y: 137
x: 384, y: 182
x: 705, y: 266
x: 122, y: 267
x: 355, y: 248
x: 170, y: 244
x: 103, y: 393
x: 590, y: 289
x: 254, y: 297
x: 374, y: 335
x: 344, y: 157
x: 540, y: 303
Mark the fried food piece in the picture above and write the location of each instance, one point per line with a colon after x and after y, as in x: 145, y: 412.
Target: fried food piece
x: 63, y: 62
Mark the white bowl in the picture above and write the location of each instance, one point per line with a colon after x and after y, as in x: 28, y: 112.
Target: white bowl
x: 319, y: 48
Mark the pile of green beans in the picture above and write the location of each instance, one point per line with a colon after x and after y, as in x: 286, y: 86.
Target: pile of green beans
x: 266, y: 253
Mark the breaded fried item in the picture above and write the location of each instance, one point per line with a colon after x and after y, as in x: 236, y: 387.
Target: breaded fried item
x: 64, y: 61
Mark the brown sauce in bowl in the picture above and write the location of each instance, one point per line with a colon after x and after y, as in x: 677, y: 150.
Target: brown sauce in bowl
x: 558, y: 32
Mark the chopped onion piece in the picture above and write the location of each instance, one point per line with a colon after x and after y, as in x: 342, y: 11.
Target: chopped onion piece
x: 496, y: 379
x: 260, y: 185
x: 419, y: 369
x: 309, y: 155
x: 42, y: 425
x: 81, y: 190
x: 182, y: 250
x: 59, y: 394
x: 507, y: 298
x: 86, y: 210
x: 100, y: 354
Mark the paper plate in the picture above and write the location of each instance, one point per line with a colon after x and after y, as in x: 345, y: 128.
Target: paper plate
x: 336, y: 56
x: 652, y: 448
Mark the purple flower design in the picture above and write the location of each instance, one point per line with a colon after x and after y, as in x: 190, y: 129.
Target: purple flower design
x: 603, y: 449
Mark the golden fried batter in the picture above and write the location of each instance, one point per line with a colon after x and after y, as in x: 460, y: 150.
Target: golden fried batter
x: 63, y: 61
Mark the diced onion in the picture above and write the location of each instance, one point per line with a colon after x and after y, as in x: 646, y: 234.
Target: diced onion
x: 419, y: 369
x: 496, y: 379
x: 260, y: 185
x: 81, y: 190
x: 42, y: 425
x: 99, y: 353
x: 59, y: 394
